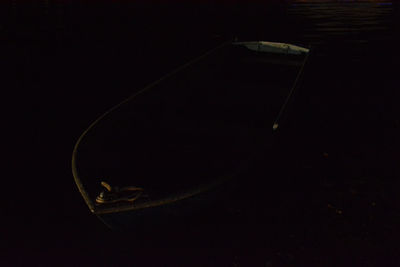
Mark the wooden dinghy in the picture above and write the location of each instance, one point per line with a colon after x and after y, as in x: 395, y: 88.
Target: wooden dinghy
x: 164, y: 151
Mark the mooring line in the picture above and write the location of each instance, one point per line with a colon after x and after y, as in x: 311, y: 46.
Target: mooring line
x: 275, y: 125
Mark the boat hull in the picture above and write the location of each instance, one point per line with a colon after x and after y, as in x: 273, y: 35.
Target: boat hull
x: 184, y: 139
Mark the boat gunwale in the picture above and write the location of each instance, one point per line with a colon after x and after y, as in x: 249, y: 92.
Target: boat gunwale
x: 78, y: 181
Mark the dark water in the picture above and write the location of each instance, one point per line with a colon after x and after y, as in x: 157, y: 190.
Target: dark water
x: 330, y: 194
x: 350, y: 23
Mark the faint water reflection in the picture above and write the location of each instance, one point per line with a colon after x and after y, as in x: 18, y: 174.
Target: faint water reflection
x: 318, y: 22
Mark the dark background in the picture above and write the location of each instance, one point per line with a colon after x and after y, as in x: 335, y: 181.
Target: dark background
x: 331, y: 193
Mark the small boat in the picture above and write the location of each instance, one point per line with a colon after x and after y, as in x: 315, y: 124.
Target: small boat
x: 166, y: 151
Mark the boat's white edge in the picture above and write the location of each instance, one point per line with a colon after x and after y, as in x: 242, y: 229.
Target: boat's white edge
x: 274, y: 47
